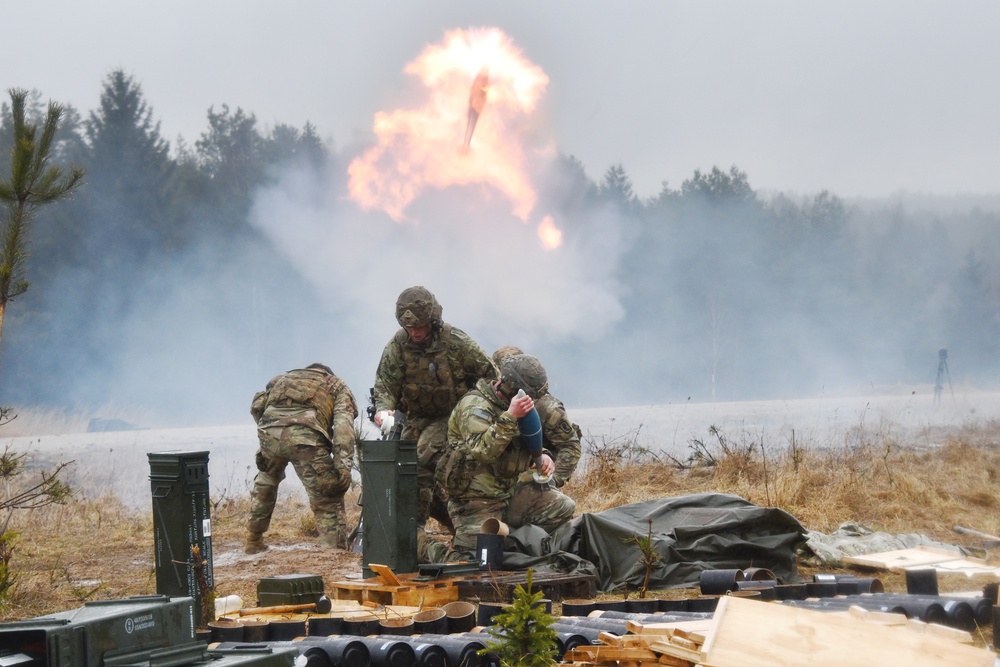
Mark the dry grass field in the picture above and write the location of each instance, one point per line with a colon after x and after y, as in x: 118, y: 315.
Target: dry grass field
x: 97, y: 547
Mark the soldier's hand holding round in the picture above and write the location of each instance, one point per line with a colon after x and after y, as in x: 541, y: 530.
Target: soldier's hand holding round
x: 548, y: 465
x: 520, y: 406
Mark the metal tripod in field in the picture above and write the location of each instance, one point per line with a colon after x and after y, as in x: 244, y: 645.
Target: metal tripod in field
x: 942, y: 375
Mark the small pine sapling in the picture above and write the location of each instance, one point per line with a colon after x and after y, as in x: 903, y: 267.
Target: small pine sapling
x: 649, y: 555
x: 523, y: 631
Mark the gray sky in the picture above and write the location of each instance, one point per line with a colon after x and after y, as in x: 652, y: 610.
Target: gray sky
x: 860, y: 98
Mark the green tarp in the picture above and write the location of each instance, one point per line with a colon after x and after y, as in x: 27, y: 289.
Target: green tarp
x: 691, y: 533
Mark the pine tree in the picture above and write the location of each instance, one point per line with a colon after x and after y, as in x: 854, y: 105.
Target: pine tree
x: 33, y: 182
x: 523, y: 631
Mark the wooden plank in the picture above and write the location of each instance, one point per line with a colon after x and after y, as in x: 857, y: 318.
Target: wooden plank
x: 606, y: 653
x: 684, y: 643
x: 940, y: 630
x: 750, y: 633
x: 385, y: 573
x: 669, y: 648
x: 883, y: 617
x: 702, y: 627
x: 609, y: 639
x: 941, y: 560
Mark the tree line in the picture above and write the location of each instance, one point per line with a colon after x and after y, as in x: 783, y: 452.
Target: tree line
x: 727, y: 294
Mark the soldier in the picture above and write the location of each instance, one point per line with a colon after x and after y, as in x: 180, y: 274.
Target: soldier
x: 486, y: 459
x: 426, y: 367
x: 560, y: 435
x: 304, y: 417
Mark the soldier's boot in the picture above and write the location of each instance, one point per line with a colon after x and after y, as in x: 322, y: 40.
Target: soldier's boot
x: 333, y: 540
x: 254, y: 544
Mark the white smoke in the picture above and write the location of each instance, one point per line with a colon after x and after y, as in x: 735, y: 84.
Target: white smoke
x: 487, y: 268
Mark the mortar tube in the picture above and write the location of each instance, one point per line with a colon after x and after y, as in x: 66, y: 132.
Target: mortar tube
x: 484, y: 637
x: 926, y: 611
x: 390, y: 652
x: 461, y: 650
x: 590, y: 634
x: 843, y: 604
x: 959, y: 612
x: 981, y: 606
x: 428, y: 653
x: 618, y: 626
x: 342, y: 651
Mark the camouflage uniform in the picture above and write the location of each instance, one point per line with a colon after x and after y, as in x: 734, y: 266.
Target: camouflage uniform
x: 481, y: 474
x: 561, y: 438
x: 424, y: 381
x: 304, y: 417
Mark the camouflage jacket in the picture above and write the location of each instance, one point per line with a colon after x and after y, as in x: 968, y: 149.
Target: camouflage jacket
x: 305, y: 402
x: 426, y: 381
x: 485, y: 454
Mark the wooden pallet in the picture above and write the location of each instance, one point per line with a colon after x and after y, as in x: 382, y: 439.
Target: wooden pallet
x: 388, y: 588
x: 674, y: 647
x: 499, y: 586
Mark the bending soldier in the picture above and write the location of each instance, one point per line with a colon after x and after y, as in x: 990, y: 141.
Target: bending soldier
x: 424, y: 370
x: 304, y: 417
x: 486, y: 459
x: 559, y: 435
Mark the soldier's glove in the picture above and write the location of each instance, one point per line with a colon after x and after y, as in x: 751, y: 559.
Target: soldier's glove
x: 388, y: 421
x: 380, y: 417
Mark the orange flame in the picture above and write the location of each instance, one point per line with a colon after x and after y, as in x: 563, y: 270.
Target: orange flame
x: 480, y: 89
x: 549, y: 234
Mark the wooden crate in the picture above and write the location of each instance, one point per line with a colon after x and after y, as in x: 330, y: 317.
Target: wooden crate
x: 410, y: 593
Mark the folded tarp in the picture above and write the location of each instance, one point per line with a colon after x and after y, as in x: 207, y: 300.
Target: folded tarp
x: 706, y: 531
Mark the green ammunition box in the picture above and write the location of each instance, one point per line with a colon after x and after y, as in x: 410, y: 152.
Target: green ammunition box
x: 389, y: 512
x: 289, y: 589
x: 181, y: 520
x: 105, y: 632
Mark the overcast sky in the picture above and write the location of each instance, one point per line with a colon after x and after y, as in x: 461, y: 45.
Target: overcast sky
x: 860, y: 98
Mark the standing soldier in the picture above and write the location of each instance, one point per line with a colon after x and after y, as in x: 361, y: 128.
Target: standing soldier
x: 486, y: 458
x: 426, y: 367
x: 304, y: 417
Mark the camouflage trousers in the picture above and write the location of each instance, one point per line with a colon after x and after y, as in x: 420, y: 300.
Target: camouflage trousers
x: 324, y: 478
x: 530, y: 503
x: 432, y: 500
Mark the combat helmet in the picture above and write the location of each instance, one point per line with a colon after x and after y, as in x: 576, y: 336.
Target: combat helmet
x: 416, y: 307
x: 523, y: 371
x: 503, y: 352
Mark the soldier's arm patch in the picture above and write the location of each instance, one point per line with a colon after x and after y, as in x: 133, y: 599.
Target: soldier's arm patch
x: 565, y: 427
x: 480, y: 413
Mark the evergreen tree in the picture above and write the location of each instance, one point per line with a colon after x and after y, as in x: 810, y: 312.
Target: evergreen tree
x: 617, y: 188
x: 231, y: 154
x: 33, y: 182
x: 130, y: 207
x: 524, y: 634
x: 719, y: 186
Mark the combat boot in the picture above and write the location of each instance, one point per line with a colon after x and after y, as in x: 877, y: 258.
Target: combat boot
x: 255, y: 543
x: 333, y: 540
